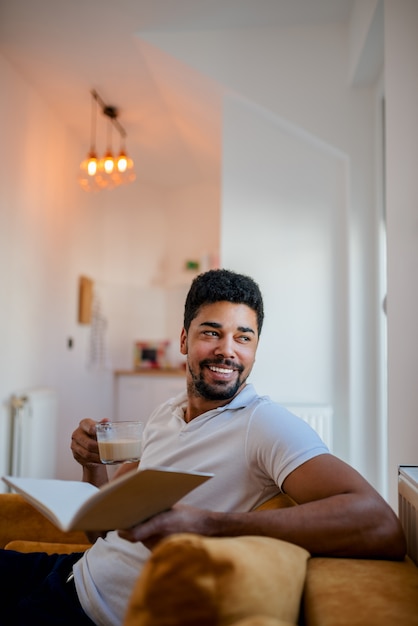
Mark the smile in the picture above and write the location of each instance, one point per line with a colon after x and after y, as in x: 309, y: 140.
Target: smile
x: 220, y: 370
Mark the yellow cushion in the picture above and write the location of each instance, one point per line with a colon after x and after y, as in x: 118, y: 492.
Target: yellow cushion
x: 19, y: 520
x: 261, y: 620
x: 191, y: 580
x: 21, y: 545
x: 280, y: 501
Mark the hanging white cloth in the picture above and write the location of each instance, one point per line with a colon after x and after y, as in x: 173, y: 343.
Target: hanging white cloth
x: 97, y: 357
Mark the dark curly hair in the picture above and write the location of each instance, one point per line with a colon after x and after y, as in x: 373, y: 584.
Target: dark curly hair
x: 223, y: 285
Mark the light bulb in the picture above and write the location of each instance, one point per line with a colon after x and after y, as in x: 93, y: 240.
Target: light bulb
x: 108, y: 163
x: 88, y: 170
x: 122, y: 162
x: 92, y: 166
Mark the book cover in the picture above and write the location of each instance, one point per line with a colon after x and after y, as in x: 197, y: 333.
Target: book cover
x: 121, y: 503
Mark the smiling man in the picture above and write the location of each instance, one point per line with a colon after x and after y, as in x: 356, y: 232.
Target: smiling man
x: 224, y: 338
x: 253, y: 446
x: 223, y: 318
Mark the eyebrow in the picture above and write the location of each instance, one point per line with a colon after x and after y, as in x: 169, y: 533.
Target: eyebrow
x: 242, y: 329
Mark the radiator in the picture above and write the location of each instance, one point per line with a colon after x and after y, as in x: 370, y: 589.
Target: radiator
x: 5, y: 443
x: 318, y: 416
x: 408, y: 507
x: 32, y: 433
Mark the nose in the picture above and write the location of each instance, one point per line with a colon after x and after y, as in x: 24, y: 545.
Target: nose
x: 225, y: 347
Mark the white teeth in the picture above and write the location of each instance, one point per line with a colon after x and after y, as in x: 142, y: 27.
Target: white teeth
x: 220, y: 370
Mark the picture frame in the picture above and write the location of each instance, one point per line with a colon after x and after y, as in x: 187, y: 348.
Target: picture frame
x: 85, y: 300
x: 150, y: 354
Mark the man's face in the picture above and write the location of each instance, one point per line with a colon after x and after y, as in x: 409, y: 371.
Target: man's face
x: 220, y: 345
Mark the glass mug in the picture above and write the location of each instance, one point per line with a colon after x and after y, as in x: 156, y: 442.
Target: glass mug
x: 119, y: 442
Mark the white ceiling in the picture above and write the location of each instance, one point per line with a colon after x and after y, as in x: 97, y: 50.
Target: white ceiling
x: 170, y: 111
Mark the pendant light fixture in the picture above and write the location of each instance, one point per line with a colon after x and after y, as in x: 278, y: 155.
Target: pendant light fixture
x: 106, y: 165
x: 89, y: 167
x: 109, y: 171
x: 124, y: 164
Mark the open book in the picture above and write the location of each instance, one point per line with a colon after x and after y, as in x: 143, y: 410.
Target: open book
x: 121, y: 503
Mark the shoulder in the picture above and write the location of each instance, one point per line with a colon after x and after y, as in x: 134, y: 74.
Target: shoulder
x: 288, y: 436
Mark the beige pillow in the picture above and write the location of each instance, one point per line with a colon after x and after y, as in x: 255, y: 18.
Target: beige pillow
x: 192, y: 580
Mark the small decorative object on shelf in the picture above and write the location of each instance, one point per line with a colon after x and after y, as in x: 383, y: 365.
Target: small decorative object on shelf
x: 192, y: 265
x: 151, y: 354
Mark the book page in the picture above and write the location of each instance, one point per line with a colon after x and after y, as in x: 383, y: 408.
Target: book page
x: 146, y: 493
x: 121, y: 503
x: 56, y: 499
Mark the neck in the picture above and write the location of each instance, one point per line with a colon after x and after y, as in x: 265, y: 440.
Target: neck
x: 196, y: 405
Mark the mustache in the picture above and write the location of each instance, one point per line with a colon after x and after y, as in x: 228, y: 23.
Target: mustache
x: 222, y: 362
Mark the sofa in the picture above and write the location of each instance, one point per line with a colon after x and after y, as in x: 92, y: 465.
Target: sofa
x: 192, y: 580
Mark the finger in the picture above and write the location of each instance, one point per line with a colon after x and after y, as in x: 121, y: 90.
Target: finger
x: 134, y: 535
x: 88, y: 426
x: 146, y: 531
x: 84, y: 448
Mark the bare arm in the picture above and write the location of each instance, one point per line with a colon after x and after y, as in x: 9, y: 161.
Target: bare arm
x: 338, y: 514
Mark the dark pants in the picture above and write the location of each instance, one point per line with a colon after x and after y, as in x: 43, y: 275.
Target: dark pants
x: 33, y: 590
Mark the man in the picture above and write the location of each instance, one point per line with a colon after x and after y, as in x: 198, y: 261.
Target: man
x: 255, y: 449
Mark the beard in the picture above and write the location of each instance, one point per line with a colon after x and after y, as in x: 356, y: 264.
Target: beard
x: 221, y: 390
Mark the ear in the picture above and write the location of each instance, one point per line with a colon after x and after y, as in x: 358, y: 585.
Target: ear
x: 183, y: 341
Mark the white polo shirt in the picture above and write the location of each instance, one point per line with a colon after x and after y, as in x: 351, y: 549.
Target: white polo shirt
x: 250, y: 445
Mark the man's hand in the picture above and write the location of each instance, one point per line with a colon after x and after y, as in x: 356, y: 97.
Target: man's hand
x: 84, y: 443
x: 86, y: 452
x: 179, y: 519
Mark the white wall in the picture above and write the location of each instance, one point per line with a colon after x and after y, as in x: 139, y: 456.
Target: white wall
x: 282, y: 202
x: 348, y: 119
x: 298, y: 213
x: 143, y: 279
x: 401, y: 89
x: 51, y: 232
x: 46, y: 235
x: 193, y: 223
x: 319, y: 82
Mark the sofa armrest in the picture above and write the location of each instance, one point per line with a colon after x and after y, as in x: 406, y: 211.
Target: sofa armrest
x: 355, y: 592
x: 19, y: 520
x: 21, y: 545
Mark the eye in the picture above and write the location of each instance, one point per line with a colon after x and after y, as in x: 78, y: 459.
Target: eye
x: 211, y: 333
x: 244, y: 338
